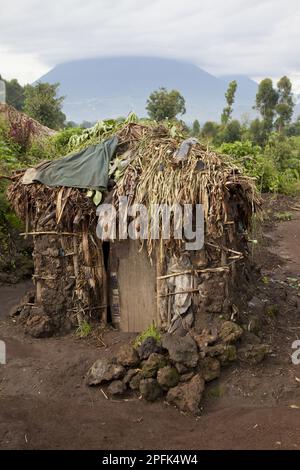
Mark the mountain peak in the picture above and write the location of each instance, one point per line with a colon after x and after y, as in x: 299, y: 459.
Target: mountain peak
x: 109, y: 87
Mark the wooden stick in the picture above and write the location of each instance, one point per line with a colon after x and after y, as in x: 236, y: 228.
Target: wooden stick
x: 104, y: 394
x: 192, y: 271
x: 159, y: 285
x: 188, y: 291
x: 213, y: 270
x: 6, y: 177
x: 224, y: 248
x: 76, y: 234
x: 166, y: 276
x: 44, y: 277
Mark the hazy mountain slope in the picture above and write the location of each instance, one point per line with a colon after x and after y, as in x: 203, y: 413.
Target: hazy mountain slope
x: 114, y: 86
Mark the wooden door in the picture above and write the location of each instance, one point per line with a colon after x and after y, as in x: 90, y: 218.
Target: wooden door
x: 137, y: 287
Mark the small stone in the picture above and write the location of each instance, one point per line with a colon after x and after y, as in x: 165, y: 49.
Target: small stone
x: 154, y: 362
x: 181, y: 349
x: 205, y: 339
x: 39, y: 326
x: 187, y: 377
x: 229, y: 355
x: 181, y: 368
x: 104, y: 370
x: 182, y: 324
x: 187, y: 396
x: 24, y: 314
x: 230, y: 332
x: 226, y: 353
x: 253, y: 353
x: 134, y: 383
x: 210, y: 368
x: 15, y: 310
x: 150, y: 389
x: 127, y: 356
x: 116, y: 387
x: 168, y: 377
x: 129, y: 375
x: 148, y: 346
x: 28, y: 298
x: 215, y: 350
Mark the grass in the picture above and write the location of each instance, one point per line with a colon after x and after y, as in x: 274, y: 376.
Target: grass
x: 282, y: 216
x: 84, y: 329
x: 151, y: 331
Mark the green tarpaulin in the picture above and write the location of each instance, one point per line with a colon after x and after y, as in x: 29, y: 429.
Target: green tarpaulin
x: 85, y: 169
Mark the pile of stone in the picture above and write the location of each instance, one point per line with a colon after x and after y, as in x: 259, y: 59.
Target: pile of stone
x: 176, y: 367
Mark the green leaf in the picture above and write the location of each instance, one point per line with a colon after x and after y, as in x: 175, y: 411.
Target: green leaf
x: 97, y: 198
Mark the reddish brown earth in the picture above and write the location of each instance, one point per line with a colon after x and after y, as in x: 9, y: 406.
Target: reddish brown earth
x: 45, y: 404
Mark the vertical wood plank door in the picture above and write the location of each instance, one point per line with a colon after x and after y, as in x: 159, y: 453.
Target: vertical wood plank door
x: 137, y: 289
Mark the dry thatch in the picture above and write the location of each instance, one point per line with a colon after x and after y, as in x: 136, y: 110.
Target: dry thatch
x: 151, y: 177
x: 22, y: 128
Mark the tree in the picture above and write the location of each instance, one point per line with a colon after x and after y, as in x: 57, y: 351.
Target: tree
x: 196, y: 128
x: 229, y: 95
x: 71, y: 124
x: 86, y: 124
x: 14, y: 93
x: 294, y: 128
x: 163, y: 104
x: 210, y: 130
x: 285, y: 105
x: 257, y: 132
x: 266, y: 101
x: 43, y: 104
x: 232, y: 132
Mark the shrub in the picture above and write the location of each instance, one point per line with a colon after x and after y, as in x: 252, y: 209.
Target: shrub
x: 61, y: 139
x: 276, y: 168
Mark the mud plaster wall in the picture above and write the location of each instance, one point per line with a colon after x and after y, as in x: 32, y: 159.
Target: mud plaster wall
x: 70, y: 279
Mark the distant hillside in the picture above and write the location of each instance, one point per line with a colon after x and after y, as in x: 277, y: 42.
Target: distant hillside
x: 111, y: 87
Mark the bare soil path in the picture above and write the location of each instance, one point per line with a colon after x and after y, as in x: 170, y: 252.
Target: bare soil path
x: 45, y: 404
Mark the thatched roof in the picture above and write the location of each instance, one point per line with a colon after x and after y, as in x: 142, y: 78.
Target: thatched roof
x: 21, y: 126
x: 152, y: 176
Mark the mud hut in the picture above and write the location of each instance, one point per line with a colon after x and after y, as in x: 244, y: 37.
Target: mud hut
x: 79, y: 277
x: 22, y: 129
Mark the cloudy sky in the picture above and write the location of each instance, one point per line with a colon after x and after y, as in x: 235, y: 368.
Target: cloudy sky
x: 258, y: 38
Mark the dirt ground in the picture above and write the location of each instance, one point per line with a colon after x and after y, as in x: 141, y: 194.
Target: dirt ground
x: 45, y: 404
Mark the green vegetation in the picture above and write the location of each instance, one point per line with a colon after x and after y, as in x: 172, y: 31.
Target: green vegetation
x: 84, y: 329
x: 266, y: 148
x: 163, y: 104
x: 229, y: 95
x: 14, y: 156
x: 14, y: 93
x: 196, y: 129
x: 151, y: 331
x: 42, y: 103
x: 283, y: 216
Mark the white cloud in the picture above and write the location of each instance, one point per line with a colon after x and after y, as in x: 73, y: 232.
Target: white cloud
x: 257, y: 38
x: 26, y: 67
